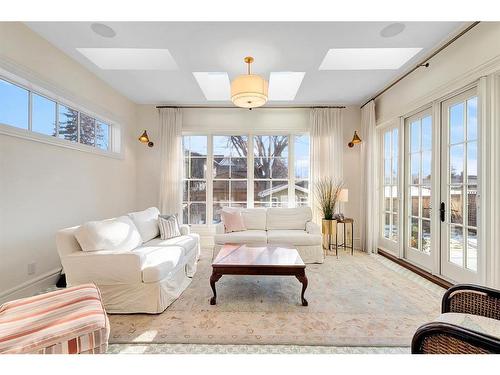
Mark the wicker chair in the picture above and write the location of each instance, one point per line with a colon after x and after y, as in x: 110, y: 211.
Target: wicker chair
x: 446, y: 338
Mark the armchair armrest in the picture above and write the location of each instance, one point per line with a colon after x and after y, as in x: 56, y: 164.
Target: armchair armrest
x: 184, y: 229
x: 219, y: 229
x: 472, y: 299
x: 313, y: 228
x: 445, y: 338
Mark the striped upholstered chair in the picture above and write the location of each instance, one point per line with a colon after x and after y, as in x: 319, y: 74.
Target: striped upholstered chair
x: 67, y: 321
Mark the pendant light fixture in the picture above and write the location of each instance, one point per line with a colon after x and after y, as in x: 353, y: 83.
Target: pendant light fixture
x: 355, y: 140
x: 249, y: 90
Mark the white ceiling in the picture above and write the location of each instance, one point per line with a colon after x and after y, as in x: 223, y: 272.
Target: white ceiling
x: 221, y: 47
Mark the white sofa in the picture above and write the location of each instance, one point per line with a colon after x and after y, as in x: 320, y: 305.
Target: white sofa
x: 286, y: 226
x: 144, y: 279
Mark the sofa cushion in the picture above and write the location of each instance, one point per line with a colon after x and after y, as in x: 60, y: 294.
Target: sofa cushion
x: 159, y: 262
x: 288, y: 218
x: 253, y: 218
x: 476, y: 323
x: 293, y: 237
x: 187, y: 242
x: 112, y: 234
x: 147, y: 223
x: 247, y: 237
x: 232, y: 220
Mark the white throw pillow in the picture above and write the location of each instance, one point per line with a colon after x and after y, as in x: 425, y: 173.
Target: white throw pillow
x: 111, y: 234
x: 147, y: 223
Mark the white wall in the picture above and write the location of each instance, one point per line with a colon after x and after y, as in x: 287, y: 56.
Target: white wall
x: 466, y: 59
x: 44, y: 187
x: 240, y: 120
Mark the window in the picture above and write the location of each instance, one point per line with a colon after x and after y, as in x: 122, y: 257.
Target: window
x: 194, y: 210
x: 50, y: 118
x: 44, y: 115
x: 246, y: 171
x: 270, y: 171
x: 390, y: 220
x: 301, y: 168
x: 230, y: 159
x: 14, y: 105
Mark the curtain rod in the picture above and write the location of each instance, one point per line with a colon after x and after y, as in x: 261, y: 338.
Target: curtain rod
x: 234, y: 107
x: 424, y: 62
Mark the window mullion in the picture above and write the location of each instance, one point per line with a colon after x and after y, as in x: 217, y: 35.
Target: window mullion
x: 250, y: 172
x: 209, y: 180
x: 291, y: 170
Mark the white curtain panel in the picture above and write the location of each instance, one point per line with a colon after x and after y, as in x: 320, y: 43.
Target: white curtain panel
x: 326, y: 149
x: 171, y: 160
x: 369, y: 212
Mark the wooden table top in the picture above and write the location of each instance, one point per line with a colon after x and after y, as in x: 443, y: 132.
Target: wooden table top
x: 238, y: 255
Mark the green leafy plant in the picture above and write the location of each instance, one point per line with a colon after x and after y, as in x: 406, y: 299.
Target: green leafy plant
x: 327, y: 194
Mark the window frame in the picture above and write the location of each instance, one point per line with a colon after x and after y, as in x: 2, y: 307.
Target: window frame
x: 394, y: 247
x: 114, y: 129
x: 250, y: 165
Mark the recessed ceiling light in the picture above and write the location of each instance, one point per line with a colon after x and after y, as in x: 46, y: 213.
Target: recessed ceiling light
x: 215, y: 85
x: 367, y: 58
x: 392, y: 30
x: 284, y: 85
x: 103, y: 30
x: 130, y: 58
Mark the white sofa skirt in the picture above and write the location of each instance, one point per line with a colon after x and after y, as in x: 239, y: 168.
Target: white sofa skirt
x: 309, y: 254
x: 149, y: 298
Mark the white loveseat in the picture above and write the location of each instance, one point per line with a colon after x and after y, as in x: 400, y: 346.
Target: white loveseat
x: 144, y: 279
x: 285, y: 226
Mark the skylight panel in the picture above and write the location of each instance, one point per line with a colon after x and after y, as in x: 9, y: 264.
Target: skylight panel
x: 367, y: 58
x: 215, y: 85
x: 130, y: 58
x: 284, y: 85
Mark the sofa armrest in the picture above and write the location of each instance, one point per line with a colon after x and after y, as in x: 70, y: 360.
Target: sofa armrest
x: 313, y: 228
x: 103, y: 267
x: 472, y: 299
x: 184, y: 229
x: 219, y: 229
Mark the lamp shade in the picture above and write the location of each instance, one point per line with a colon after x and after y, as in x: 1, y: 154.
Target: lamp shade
x: 344, y: 195
x: 249, y: 91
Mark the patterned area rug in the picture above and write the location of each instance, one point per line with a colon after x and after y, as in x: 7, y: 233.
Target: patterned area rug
x: 360, y: 300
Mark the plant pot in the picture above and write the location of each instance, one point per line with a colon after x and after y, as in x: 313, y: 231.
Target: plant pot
x: 329, y: 230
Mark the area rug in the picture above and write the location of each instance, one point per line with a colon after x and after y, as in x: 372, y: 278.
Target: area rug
x: 360, y: 300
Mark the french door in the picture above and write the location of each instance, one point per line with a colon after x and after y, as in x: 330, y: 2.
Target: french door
x: 460, y: 187
x: 442, y: 189
x: 418, y: 189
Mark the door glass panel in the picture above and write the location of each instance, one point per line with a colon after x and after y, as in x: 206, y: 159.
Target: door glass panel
x: 457, y: 123
x: 426, y: 236
x: 419, y: 189
x: 457, y: 164
x: 462, y: 248
x: 472, y: 249
x: 456, y: 245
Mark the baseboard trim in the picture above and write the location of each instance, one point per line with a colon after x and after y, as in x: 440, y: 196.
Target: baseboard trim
x: 31, y: 286
x: 426, y: 275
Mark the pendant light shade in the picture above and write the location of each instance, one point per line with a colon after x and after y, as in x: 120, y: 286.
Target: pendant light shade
x: 249, y: 90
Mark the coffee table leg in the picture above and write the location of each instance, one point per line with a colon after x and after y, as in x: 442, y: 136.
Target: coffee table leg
x: 303, y: 279
x: 213, y: 279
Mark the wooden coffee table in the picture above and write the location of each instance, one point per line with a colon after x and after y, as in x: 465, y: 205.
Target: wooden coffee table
x: 272, y: 260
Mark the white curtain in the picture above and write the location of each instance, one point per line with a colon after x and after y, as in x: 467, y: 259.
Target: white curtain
x: 369, y: 213
x: 326, y: 149
x: 171, y: 160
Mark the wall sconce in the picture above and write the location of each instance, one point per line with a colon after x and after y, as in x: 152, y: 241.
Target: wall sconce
x: 145, y: 139
x: 355, y: 140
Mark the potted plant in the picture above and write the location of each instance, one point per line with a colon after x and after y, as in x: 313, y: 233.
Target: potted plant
x: 327, y: 194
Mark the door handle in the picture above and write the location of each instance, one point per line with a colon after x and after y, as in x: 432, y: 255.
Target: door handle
x: 442, y: 212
